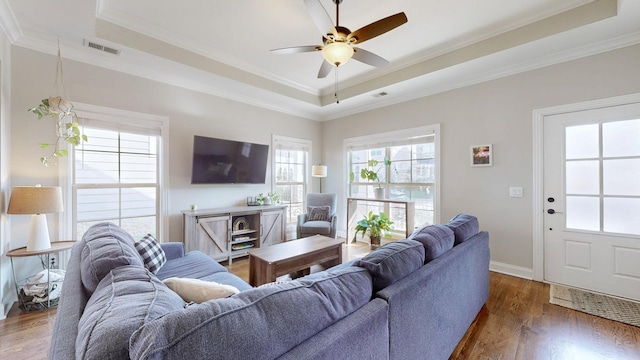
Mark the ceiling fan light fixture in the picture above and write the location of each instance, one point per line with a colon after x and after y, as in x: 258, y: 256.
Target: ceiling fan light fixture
x: 337, y: 53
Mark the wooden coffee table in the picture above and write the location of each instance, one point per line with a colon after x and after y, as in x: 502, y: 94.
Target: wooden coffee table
x: 266, y: 264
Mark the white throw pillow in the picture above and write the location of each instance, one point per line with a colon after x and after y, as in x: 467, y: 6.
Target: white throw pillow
x: 199, y: 291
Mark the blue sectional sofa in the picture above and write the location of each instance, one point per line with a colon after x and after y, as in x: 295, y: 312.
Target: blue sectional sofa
x: 411, y: 299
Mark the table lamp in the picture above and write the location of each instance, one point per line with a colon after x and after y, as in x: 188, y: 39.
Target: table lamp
x: 36, y: 201
x: 319, y: 171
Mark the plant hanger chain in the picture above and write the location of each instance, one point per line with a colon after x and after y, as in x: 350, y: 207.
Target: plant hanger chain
x: 58, y: 86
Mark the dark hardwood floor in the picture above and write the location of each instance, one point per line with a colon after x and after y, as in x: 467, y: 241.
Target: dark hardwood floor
x: 517, y: 322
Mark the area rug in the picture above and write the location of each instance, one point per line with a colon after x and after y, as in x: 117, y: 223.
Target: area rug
x: 608, y: 307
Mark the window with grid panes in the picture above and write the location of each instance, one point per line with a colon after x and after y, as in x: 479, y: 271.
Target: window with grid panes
x: 290, y: 166
x: 411, y: 176
x: 115, y: 179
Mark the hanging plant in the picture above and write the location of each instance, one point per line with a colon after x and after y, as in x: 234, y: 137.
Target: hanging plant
x: 57, y: 107
x: 67, y: 129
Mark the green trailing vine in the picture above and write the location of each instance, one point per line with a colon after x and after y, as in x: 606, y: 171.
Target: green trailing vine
x: 67, y: 128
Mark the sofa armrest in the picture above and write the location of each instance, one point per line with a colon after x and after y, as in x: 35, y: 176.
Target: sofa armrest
x: 173, y: 250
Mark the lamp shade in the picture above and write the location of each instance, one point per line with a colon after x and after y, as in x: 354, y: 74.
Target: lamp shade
x: 35, y: 200
x: 337, y: 53
x: 319, y: 171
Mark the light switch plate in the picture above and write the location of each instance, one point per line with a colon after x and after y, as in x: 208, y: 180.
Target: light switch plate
x: 515, y: 192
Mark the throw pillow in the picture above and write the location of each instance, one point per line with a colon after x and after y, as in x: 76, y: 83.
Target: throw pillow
x: 199, y: 291
x: 151, y: 252
x: 318, y: 213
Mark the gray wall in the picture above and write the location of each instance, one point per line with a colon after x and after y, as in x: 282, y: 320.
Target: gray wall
x: 189, y: 113
x: 497, y: 112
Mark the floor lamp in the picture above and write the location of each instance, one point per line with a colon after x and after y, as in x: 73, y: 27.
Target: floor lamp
x: 319, y: 171
x: 36, y: 201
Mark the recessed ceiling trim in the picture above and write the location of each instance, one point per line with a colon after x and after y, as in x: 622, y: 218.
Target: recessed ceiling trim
x: 120, y: 35
x: 568, y: 20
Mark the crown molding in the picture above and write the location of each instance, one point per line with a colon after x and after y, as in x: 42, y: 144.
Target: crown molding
x: 8, y: 22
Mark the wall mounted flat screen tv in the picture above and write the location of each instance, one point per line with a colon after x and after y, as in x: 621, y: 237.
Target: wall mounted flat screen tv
x: 219, y: 161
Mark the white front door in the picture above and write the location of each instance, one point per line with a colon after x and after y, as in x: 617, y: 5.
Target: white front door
x: 592, y: 200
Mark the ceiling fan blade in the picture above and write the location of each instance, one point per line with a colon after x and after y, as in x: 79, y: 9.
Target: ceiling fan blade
x: 368, y: 57
x: 377, y: 28
x: 325, y: 69
x: 320, y: 17
x: 297, y: 49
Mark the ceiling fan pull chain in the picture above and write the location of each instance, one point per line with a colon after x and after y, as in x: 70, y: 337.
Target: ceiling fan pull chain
x: 335, y: 94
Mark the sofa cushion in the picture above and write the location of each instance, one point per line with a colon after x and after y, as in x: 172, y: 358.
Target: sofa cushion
x: 318, y: 213
x: 392, y: 261
x: 199, y: 291
x: 275, y: 319
x: 317, y: 227
x: 464, y: 226
x: 106, y: 247
x: 198, y: 265
x: 194, y: 264
x: 151, y: 253
x: 124, y: 300
x: 436, y: 239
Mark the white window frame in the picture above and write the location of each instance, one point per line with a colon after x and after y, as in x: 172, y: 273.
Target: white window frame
x: 399, y: 135
x: 120, y: 120
x: 293, y: 143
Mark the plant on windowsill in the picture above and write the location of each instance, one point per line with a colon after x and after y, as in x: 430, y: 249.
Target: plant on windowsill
x: 370, y: 173
x: 374, y: 225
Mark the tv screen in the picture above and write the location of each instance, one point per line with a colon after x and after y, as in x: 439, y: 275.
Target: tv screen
x: 219, y: 161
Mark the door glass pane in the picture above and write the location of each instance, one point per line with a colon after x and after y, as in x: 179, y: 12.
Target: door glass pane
x: 582, y: 142
x: 621, y: 215
x: 583, y: 213
x: 621, y: 138
x: 622, y: 177
x: 583, y: 177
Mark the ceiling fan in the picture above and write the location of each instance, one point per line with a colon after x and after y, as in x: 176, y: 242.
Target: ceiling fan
x: 338, y: 41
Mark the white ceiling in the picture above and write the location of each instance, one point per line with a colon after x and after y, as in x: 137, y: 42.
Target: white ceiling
x: 222, y: 47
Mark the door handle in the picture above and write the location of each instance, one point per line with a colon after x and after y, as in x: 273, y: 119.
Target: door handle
x: 551, y: 212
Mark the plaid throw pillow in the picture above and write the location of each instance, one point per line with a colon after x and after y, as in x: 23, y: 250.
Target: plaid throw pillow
x: 151, y: 252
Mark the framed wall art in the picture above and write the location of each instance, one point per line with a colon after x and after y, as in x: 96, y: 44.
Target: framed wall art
x: 482, y: 155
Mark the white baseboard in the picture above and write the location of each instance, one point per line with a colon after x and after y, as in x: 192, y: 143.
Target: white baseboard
x: 3, y: 315
x: 517, y: 271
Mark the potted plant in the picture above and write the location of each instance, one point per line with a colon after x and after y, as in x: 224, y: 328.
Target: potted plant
x: 374, y: 225
x: 270, y: 198
x: 275, y: 199
x: 370, y: 173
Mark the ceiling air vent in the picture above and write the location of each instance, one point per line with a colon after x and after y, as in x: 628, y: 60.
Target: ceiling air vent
x: 97, y: 46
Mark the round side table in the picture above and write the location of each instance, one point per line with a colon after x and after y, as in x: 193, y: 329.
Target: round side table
x: 56, y: 247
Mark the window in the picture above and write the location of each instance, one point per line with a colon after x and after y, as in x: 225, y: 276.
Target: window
x: 290, y: 167
x: 412, y: 174
x: 116, y: 175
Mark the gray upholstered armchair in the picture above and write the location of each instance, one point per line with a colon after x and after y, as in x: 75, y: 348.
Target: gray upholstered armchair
x: 320, y: 217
